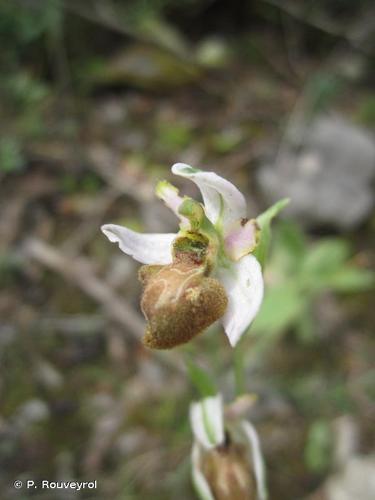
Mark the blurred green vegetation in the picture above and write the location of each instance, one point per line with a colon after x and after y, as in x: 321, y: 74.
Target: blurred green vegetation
x: 97, y: 99
x: 298, y: 274
x: 319, y: 446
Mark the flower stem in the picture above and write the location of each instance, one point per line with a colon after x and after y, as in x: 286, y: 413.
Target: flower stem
x: 239, y: 370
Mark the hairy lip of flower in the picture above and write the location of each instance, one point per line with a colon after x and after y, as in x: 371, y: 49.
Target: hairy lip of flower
x: 179, y: 301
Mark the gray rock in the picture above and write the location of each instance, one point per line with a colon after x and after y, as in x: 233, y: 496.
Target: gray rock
x: 326, y: 169
x: 356, y: 481
x: 31, y: 412
x: 354, y: 476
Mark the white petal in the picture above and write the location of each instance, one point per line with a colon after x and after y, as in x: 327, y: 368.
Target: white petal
x: 207, y: 421
x: 202, y: 487
x: 145, y: 248
x: 256, y: 458
x: 243, y: 282
x: 222, y: 200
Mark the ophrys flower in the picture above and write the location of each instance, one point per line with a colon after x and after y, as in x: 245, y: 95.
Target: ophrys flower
x: 204, y: 272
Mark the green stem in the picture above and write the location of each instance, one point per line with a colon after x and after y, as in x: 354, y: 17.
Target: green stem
x: 239, y: 370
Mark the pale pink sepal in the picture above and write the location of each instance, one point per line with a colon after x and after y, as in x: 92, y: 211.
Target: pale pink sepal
x: 169, y: 194
x: 145, y: 248
x: 241, y: 239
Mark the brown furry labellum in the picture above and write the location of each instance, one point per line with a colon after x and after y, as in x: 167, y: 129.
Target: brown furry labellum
x: 179, y: 301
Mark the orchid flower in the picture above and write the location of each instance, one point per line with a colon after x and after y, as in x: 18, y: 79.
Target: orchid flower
x: 226, y: 456
x: 203, y: 273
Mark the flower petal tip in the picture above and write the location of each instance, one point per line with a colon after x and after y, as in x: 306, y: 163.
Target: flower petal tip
x: 233, y: 340
x: 184, y: 169
x: 223, y: 202
x: 106, y: 229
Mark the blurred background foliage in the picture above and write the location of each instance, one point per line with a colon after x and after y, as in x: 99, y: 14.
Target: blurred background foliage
x: 98, y: 99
